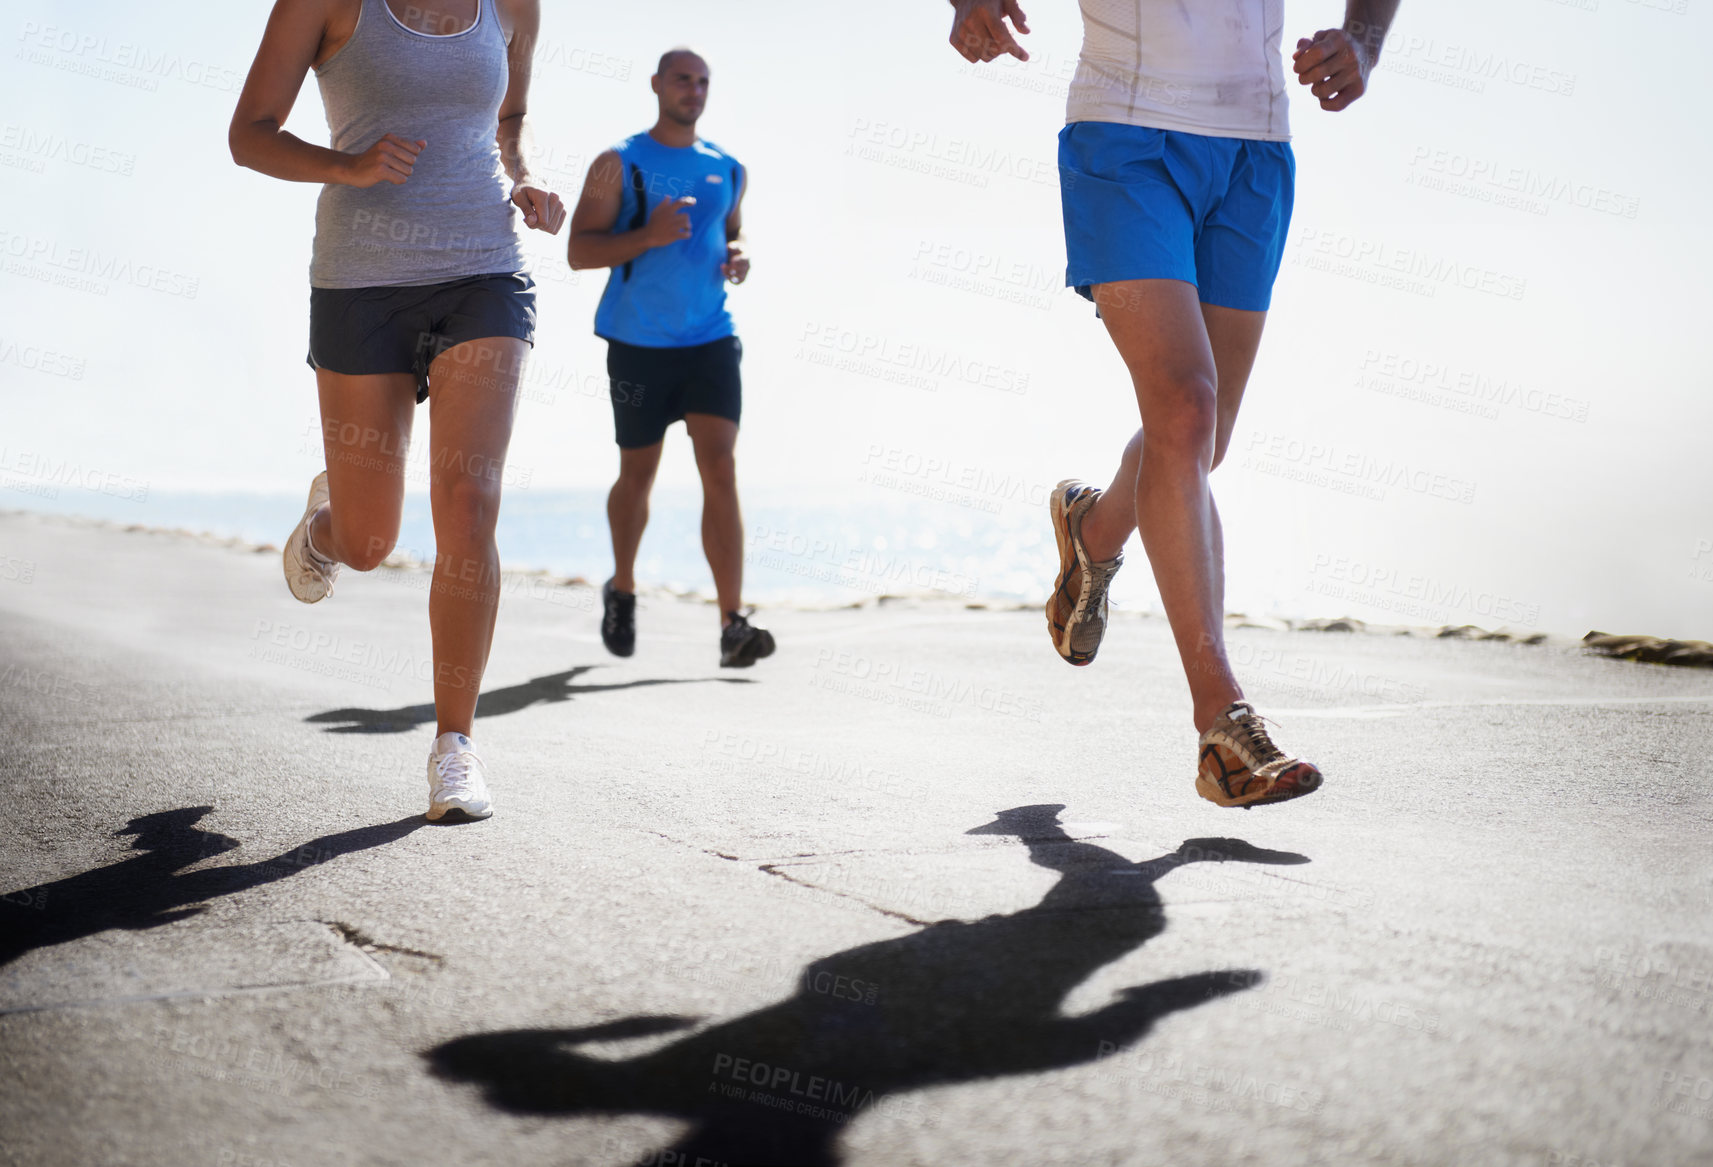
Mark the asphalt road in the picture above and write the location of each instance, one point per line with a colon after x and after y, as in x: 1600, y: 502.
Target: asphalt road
x: 910, y: 892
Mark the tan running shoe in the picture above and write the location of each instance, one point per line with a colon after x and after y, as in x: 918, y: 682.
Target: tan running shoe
x: 309, y: 574
x: 1240, y: 766
x: 1076, y: 611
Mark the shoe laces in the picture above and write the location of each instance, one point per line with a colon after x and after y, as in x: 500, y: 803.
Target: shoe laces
x: 316, y: 565
x: 453, y: 770
x: 738, y: 625
x: 1250, y: 728
x: 1100, y: 578
x: 317, y: 569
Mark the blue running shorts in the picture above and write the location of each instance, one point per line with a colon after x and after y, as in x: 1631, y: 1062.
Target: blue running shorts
x: 1145, y: 204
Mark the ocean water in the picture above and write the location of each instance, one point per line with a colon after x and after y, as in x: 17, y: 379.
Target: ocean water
x: 808, y: 553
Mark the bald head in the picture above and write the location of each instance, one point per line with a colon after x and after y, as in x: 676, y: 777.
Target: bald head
x: 682, y: 86
x: 670, y: 58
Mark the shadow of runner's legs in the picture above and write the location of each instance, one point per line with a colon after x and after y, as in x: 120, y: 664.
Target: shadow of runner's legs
x: 152, y: 889
x: 547, y: 690
x: 954, y: 1002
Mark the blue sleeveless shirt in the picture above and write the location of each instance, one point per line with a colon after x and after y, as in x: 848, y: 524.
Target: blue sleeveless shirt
x: 672, y: 296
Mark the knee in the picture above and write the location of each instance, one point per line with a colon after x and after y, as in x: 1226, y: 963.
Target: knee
x: 466, y: 504
x: 634, y: 482
x: 365, y: 548
x: 1187, y: 423
x: 718, y: 468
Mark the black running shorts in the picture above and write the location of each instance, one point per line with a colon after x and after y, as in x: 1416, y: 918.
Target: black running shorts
x: 362, y: 331
x: 654, y: 387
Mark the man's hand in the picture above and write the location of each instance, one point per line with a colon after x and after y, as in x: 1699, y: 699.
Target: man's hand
x: 389, y: 160
x: 979, y: 32
x: 736, y: 267
x: 541, y: 209
x: 1333, y: 66
x: 668, y: 222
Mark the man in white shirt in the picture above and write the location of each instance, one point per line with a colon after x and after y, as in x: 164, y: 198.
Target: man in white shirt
x: 1177, y: 176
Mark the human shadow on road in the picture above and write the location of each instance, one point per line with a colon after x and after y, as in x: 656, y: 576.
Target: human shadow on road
x: 953, y: 1002
x: 153, y: 888
x: 548, y: 690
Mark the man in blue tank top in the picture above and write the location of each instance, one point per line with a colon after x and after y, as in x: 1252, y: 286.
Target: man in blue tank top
x: 663, y: 210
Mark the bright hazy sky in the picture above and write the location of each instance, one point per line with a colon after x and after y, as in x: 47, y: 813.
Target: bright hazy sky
x: 1484, y: 373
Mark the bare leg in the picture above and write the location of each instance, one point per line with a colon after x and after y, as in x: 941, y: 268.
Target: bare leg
x: 627, y: 510
x: 1190, y: 364
x: 715, y: 439
x: 472, y: 405
x: 365, y: 432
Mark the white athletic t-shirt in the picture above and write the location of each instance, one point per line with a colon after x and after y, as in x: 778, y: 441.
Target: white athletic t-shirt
x: 1202, y: 66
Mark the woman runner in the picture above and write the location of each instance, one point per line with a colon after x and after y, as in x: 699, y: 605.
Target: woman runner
x: 417, y: 291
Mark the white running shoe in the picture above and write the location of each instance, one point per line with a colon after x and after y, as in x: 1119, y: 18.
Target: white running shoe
x: 309, y: 574
x: 455, y: 779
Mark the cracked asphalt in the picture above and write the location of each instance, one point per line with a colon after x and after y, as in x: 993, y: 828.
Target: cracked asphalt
x: 910, y: 892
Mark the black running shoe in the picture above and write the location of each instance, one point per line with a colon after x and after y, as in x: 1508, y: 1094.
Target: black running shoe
x: 618, y: 620
x: 741, y: 645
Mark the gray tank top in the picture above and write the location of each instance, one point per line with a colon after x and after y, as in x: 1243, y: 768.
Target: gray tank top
x: 452, y: 218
